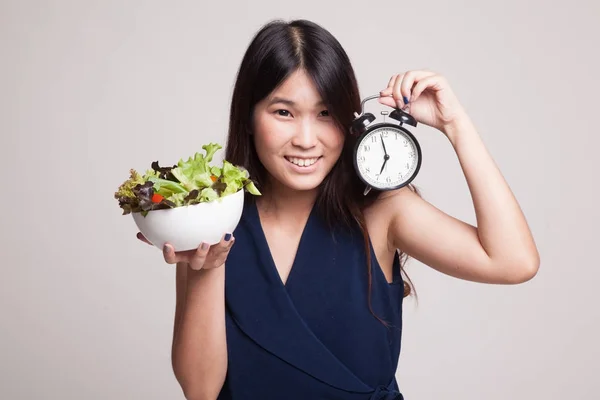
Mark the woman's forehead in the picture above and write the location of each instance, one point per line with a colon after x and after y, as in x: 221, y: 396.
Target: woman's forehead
x: 297, y: 89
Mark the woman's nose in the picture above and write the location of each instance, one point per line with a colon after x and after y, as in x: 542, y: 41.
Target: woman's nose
x: 306, y: 135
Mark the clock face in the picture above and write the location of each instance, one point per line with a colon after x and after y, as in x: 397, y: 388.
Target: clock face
x: 393, y: 171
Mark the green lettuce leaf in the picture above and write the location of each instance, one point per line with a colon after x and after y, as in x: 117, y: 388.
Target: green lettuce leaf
x: 165, y: 187
x: 251, y: 188
x: 208, y: 194
x: 233, y: 177
x: 195, y: 173
x: 216, y: 171
x: 178, y: 198
x: 203, y: 180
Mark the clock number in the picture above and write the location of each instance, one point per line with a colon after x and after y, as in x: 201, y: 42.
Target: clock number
x: 388, y: 179
x: 374, y: 139
x: 367, y: 169
x: 411, y: 154
x: 366, y: 147
x: 384, y: 134
x: 407, y: 165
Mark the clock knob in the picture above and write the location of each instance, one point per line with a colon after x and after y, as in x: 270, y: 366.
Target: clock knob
x: 360, y: 124
x: 403, y: 117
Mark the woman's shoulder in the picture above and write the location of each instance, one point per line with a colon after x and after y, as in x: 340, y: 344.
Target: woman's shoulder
x: 381, y: 211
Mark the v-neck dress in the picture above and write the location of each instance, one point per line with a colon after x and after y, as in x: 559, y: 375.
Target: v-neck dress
x: 313, y: 337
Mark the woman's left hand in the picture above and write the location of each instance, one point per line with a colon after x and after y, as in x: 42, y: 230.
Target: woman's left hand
x: 430, y: 99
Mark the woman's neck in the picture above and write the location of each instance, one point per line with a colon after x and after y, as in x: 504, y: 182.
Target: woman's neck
x: 283, y: 203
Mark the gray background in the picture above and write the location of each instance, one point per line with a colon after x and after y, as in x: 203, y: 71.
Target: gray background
x: 89, y: 89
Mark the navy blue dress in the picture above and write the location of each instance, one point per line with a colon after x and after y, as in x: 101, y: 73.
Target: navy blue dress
x: 313, y: 337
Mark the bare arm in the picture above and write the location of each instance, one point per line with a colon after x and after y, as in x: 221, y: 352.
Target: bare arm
x: 199, y: 346
x: 180, y: 293
x: 199, y: 352
x: 500, y: 249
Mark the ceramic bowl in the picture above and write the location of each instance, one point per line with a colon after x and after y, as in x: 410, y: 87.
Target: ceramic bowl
x: 186, y: 227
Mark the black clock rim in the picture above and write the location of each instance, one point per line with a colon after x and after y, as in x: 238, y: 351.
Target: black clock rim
x: 388, y: 125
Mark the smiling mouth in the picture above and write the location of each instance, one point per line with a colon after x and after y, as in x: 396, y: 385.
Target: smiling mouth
x: 302, y: 162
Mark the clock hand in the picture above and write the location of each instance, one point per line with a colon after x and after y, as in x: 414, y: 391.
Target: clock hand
x: 385, y: 155
x: 383, y: 144
x: 384, y: 162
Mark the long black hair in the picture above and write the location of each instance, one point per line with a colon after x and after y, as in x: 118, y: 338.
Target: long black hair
x: 277, y: 50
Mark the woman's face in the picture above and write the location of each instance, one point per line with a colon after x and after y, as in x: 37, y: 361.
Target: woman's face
x: 295, y: 138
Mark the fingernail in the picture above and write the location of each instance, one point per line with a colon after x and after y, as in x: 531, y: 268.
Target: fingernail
x: 227, y: 237
x: 166, y: 249
x: 405, y: 99
x: 204, y: 245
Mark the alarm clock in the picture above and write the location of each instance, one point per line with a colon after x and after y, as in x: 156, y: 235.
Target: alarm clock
x: 387, y: 156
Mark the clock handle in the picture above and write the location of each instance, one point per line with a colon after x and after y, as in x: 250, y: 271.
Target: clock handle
x: 398, y: 114
x: 362, y: 103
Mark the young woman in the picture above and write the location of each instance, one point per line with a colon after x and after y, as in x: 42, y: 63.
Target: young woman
x: 304, y: 299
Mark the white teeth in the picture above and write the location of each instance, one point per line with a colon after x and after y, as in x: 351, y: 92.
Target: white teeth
x: 303, y: 162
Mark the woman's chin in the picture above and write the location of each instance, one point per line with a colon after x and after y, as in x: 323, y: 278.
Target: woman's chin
x: 304, y: 184
x: 301, y: 184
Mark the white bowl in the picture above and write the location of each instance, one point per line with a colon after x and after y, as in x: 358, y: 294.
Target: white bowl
x: 186, y: 227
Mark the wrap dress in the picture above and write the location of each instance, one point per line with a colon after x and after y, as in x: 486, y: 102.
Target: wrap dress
x: 313, y: 337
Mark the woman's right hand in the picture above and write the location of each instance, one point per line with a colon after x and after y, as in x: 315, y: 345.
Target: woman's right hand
x: 204, y: 257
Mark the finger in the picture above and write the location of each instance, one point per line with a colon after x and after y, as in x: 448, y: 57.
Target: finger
x: 392, y: 80
x: 388, y: 101
x: 229, y: 244
x: 223, y: 251
x: 227, y: 241
x: 431, y: 82
x: 143, y: 238
x: 224, y: 245
x: 219, y: 252
x: 169, y: 254
x: 409, y: 81
x: 388, y: 90
x: 199, y: 257
x: 400, y: 98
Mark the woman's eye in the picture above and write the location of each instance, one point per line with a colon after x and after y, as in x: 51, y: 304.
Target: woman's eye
x: 286, y: 113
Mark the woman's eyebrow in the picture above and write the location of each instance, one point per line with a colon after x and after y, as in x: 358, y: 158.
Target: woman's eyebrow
x: 289, y: 102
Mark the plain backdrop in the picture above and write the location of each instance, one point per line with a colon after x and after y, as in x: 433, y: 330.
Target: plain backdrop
x: 90, y: 89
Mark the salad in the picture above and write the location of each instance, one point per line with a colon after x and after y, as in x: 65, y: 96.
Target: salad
x: 186, y: 183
